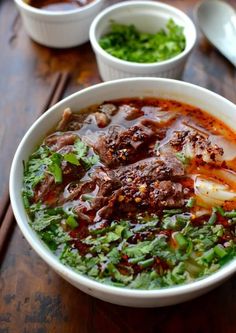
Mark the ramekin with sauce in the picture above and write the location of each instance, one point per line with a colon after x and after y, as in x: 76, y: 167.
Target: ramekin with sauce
x: 59, y: 24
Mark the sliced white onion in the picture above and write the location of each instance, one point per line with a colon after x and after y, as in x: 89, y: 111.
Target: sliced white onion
x: 188, y: 150
x: 226, y: 175
x: 210, y: 191
x: 202, y: 212
x: 228, y: 146
x: 157, y: 114
x: 209, y: 201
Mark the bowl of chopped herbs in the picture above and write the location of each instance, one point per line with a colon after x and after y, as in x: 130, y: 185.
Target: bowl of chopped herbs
x: 142, y: 38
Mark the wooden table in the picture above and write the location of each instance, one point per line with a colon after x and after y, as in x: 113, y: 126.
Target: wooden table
x: 34, y: 299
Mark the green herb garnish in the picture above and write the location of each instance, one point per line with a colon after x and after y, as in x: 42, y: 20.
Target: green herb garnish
x: 127, y: 43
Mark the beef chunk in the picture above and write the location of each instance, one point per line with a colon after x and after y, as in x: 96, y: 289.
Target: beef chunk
x: 149, y: 184
x: 102, y: 119
x: 166, y: 194
x: 151, y: 169
x: 133, y: 198
x: 123, y: 146
x: 108, y: 108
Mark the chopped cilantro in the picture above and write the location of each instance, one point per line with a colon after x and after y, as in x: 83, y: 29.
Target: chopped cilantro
x: 127, y: 43
x: 72, y: 158
x: 55, y: 167
x: 71, y: 221
x: 82, y: 154
x: 34, y: 170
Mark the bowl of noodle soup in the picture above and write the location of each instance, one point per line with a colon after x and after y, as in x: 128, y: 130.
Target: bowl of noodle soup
x: 128, y: 190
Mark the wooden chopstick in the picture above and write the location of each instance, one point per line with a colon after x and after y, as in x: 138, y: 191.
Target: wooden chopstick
x: 4, y: 205
x: 6, y: 213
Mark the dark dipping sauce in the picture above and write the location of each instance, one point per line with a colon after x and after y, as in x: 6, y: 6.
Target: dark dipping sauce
x: 58, y: 5
x: 137, y: 193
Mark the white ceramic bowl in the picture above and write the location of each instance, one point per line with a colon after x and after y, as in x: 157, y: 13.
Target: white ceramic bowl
x: 59, y: 29
x: 134, y: 87
x: 147, y: 16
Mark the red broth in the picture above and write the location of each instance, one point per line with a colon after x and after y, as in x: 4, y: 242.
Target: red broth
x: 138, y: 193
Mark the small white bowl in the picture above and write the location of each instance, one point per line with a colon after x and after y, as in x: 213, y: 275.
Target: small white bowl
x: 147, y: 16
x: 61, y: 29
x: 134, y: 87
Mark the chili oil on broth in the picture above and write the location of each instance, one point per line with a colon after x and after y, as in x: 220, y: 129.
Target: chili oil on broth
x: 138, y: 193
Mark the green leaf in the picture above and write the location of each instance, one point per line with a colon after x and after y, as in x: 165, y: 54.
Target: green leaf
x: 55, y: 167
x: 85, y: 155
x: 34, y: 170
x: 177, y: 276
x: 71, y: 158
x: 42, y: 216
x: 176, y: 222
x: 71, y: 221
x: 81, y: 148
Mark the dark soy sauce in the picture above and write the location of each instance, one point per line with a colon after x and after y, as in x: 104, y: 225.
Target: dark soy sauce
x: 58, y: 5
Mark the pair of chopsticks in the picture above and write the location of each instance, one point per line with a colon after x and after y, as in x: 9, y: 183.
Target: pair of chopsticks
x: 6, y: 213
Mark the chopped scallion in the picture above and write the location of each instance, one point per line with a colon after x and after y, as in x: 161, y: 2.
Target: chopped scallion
x: 220, y: 210
x: 146, y: 263
x: 231, y: 214
x: 180, y: 240
x: 212, y: 218
x: 208, y: 255
x: 220, y: 251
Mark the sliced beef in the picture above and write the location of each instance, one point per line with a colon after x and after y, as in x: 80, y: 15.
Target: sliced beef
x: 43, y: 188
x: 133, y: 198
x: 151, y: 169
x: 123, y: 146
x: 149, y: 184
x: 166, y: 194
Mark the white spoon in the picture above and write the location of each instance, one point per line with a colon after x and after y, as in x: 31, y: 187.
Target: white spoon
x: 217, y: 21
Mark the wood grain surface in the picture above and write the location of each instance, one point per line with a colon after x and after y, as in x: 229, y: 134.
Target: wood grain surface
x: 34, y: 299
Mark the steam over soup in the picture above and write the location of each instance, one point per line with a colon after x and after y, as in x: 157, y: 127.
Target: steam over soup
x: 138, y: 193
